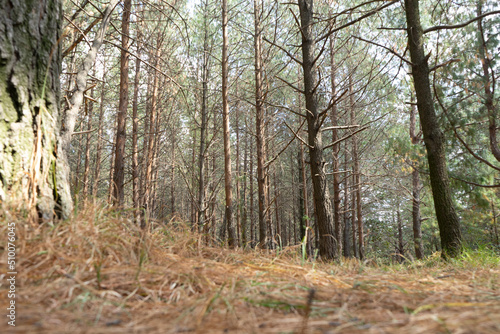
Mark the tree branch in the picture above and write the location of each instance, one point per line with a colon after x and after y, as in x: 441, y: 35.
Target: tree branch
x: 460, y: 25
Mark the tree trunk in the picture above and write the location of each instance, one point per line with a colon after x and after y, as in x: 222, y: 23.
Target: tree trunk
x: 119, y: 171
x: 335, y: 150
x: 97, y: 173
x: 203, y: 129
x: 135, y: 132
x: 449, y: 224
x: 415, y: 177
x: 231, y: 238
x: 357, y: 173
x: 401, y: 252
x: 148, y: 177
x: 259, y: 129
x: 86, y: 171
x: 489, y: 85
x: 323, y: 205
x: 33, y: 170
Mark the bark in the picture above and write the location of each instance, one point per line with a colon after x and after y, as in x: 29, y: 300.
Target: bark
x: 244, y: 215
x: 231, y: 238
x: 135, y: 131
x: 259, y: 129
x: 97, y: 173
x: 347, y: 223
x: 353, y: 216
x: 401, y: 252
x: 33, y: 168
x: 203, y: 129
x: 250, y: 179
x: 357, y: 173
x: 323, y: 205
x: 151, y: 138
x: 415, y: 177
x: 71, y: 112
x: 489, y: 85
x: 86, y: 172
x: 119, y: 171
x: 335, y: 149
x: 449, y: 224
x: 172, y: 176
x: 495, y: 228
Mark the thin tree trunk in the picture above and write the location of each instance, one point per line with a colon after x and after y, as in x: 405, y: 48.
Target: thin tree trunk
x: 448, y: 221
x: 495, y: 228
x: 415, y: 177
x: 321, y: 193
x: 151, y: 138
x: 135, y: 131
x: 203, y: 129
x: 71, y: 112
x: 119, y: 171
x: 86, y: 170
x: 172, y: 175
x: 250, y: 180
x: 259, y: 129
x: 357, y: 173
x: 231, y: 238
x: 400, y: 236
x: 335, y: 149
x: 98, y: 163
x: 347, y: 223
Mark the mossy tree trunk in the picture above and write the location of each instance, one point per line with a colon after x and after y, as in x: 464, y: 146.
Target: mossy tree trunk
x: 32, y: 168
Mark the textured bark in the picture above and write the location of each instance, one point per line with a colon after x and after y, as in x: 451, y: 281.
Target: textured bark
x: 33, y: 169
x: 86, y: 171
x: 148, y: 176
x: 489, y: 85
x: 119, y: 171
x: 135, y: 131
x: 415, y: 177
x: 400, y: 248
x: 203, y: 129
x: 335, y: 149
x: 449, y: 224
x: 357, y: 173
x: 259, y: 129
x: 347, y: 224
x: 323, y: 205
x: 231, y: 238
x: 97, y: 170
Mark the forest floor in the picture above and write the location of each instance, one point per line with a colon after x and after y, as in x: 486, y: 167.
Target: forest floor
x: 99, y: 274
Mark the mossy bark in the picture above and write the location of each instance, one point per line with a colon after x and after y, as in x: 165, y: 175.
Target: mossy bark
x: 32, y: 171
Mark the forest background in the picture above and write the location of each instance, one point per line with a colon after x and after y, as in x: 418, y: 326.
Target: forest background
x: 164, y: 137
x: 249, y: 166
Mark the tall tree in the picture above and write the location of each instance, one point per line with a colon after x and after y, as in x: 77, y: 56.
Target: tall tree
x: 119, y: 171
x: 449, y: 224
x: 259, y: 128
x: 321, y: 193
x: 231, y: 238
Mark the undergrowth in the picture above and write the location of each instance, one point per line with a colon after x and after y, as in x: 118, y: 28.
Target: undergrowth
x: 100, y: 272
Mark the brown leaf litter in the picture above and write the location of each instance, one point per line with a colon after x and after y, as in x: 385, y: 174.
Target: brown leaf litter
x: 98, y: 273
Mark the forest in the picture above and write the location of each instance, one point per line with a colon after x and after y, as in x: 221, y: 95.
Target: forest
x: 249, y: 166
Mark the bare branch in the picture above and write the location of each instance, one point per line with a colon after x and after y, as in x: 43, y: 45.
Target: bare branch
x: 454, y: 60
x: 298, y: 137
x: 386, y: 48
x: 461, y: 25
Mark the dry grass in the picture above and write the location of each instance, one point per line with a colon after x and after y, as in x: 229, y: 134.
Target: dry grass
x: 98, y: 274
